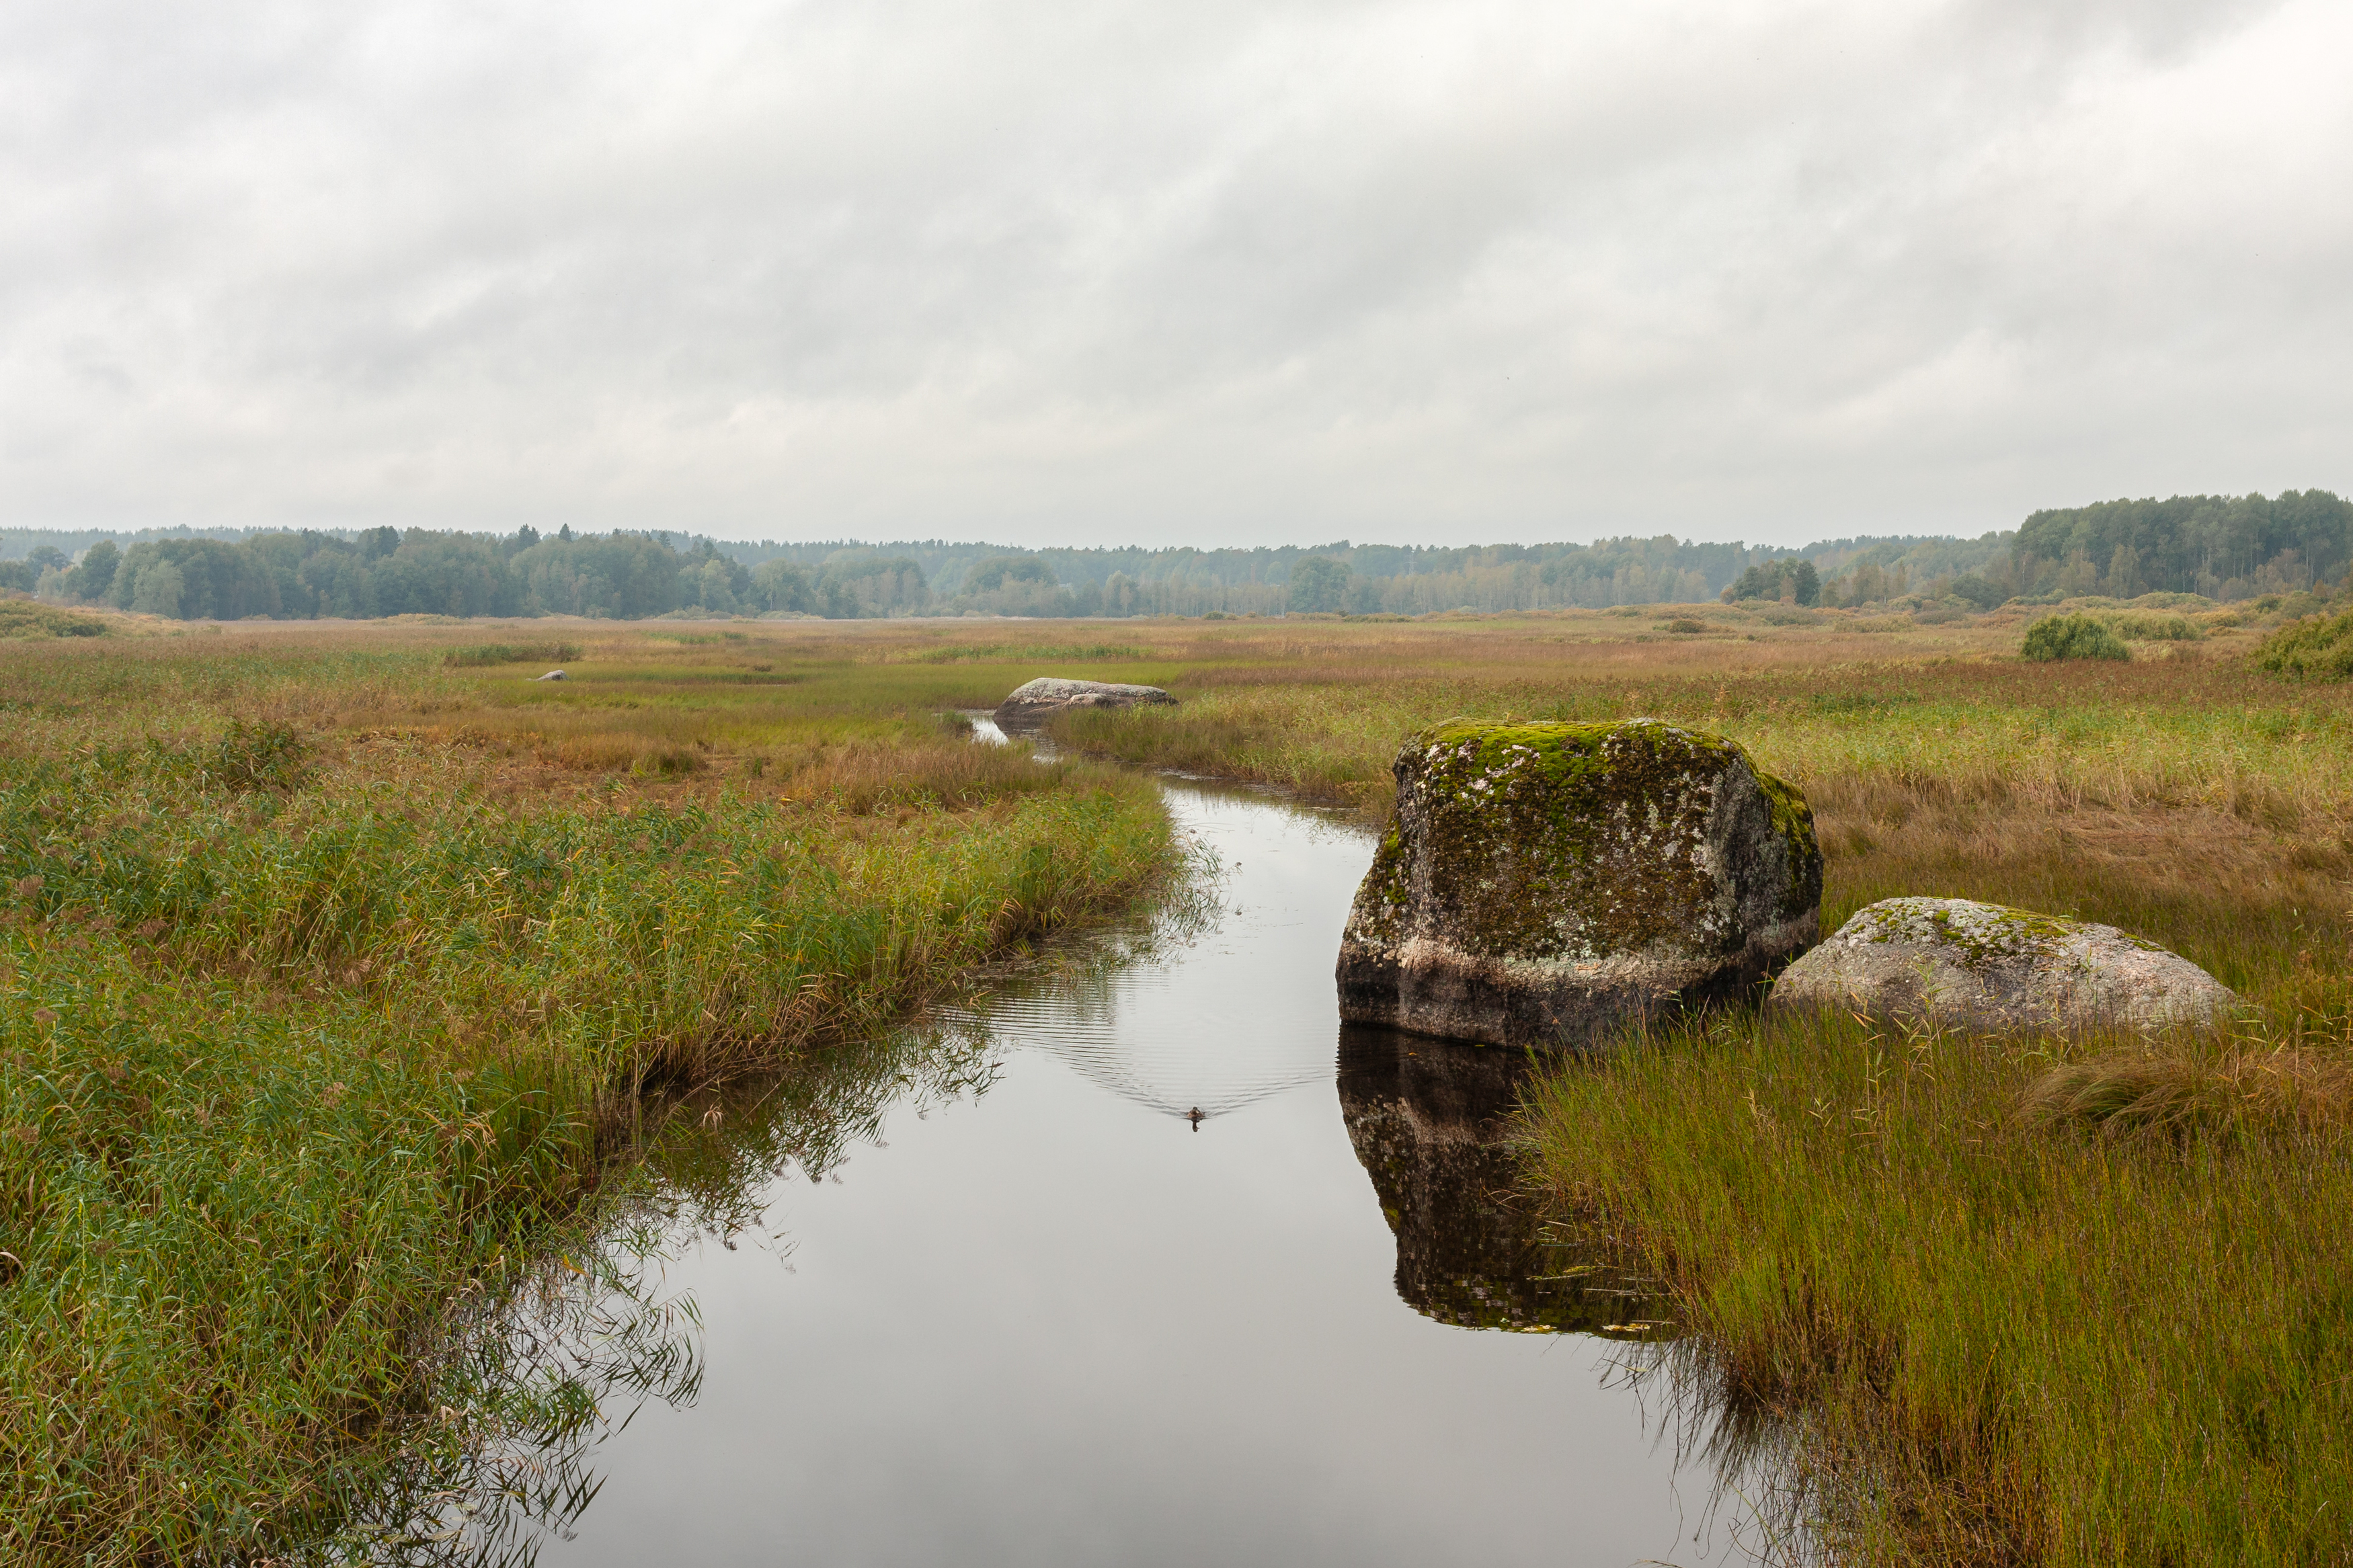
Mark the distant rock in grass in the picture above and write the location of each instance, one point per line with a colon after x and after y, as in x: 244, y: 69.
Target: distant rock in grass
x: 1545, y: 884
x: 551, y: 675
x: 1984, y: 966
x: 1042, y: 699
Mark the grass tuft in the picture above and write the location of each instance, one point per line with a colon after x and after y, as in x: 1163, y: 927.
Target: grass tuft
x: 496, y: 653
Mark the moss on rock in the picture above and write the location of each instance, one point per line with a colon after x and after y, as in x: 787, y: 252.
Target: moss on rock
x: 1543, y: 882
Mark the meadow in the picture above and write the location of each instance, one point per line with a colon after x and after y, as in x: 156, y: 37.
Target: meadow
x: 343, y: 967
x: 351, y: 968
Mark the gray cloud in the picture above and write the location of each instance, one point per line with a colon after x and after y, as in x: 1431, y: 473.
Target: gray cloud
x: 1418, y: 271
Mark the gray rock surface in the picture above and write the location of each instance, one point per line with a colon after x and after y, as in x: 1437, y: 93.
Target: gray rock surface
x: 1989, y: 967
x: 1042, y: 699
x: 551, y: 675
x: 1547, y: 884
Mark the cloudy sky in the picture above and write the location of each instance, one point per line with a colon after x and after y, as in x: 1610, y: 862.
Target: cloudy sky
x: 1210, y: 272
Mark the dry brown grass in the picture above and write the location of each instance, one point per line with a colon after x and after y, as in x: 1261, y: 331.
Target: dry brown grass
x: 2177, y: 1092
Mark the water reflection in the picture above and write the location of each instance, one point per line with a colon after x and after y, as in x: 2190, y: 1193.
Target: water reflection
x: 1052, y: 1326
x: 1432, y: 1123
x: 536, y: 1378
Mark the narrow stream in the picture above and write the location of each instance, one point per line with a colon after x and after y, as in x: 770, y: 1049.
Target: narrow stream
x: 1055, y: 1317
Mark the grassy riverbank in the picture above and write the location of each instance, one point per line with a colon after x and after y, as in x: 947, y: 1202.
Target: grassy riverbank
x: 336, y: 962
x: 2080, y: 1301
x: 336, y: 955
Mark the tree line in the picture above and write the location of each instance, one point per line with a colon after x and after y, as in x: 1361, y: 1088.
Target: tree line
x: 373, y: 573
x: 384, y: 571
x: 2223, y: 547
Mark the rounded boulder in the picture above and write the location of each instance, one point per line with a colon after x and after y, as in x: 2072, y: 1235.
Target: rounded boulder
x: 1546, y: 884
x: 1991, y: 968
x: 1041, y: 699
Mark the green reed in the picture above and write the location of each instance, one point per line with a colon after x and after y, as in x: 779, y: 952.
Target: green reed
x: 310, y: 1037
x: 1990, y: 1337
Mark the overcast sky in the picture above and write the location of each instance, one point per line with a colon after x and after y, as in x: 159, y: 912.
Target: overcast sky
x: 1205, y: 272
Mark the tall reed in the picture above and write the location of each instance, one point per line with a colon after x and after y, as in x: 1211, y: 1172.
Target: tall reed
x: 309, y: 1038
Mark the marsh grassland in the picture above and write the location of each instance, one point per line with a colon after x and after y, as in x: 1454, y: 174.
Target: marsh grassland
x: 342, y: 965
x: 1970, y: 1300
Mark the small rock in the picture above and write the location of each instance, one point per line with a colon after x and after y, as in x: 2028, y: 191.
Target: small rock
x: 1987, y: 967
x: 1042, y: 699
x: 551, y: 675
x: 1545, y: 884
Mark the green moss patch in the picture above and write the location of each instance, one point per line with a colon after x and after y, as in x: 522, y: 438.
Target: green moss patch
x: 1553, y: 839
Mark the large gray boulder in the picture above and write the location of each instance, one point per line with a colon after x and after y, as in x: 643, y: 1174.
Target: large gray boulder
x: 1988, y: 967
x: 1547, y: 884
x: 1041, y: 699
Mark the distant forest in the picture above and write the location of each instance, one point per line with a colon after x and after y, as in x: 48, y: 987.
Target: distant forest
x: 2225, y: 548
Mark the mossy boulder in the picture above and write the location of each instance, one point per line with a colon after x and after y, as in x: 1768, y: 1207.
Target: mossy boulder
x: 1041, y: 699
x: 1547, y: 884
x: 2000, y: 970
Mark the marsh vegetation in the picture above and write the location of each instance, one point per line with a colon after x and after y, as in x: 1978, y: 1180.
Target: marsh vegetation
x: 2000, y: 1300
x: 345, y: 963
x: 339, y: 973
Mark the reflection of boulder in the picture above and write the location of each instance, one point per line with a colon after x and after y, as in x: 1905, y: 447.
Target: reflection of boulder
x: 1432, y: 1122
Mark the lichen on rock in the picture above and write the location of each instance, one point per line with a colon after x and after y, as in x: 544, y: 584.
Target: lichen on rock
x: 2000, y: 970
x: 1547, y: 883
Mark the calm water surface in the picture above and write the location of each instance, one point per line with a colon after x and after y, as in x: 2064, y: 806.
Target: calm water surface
x: 1056, y: 1321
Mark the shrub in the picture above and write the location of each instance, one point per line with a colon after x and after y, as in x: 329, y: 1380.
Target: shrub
x: 2138, y: 628
x: 2318, y: 649
x: 2071, y: 637
x: 25, y: 618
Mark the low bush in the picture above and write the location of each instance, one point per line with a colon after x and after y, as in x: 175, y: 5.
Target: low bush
x: 2135, y: 626
x: 2071, y: 637
x: 2317, y: 648
x: 30, y: 618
